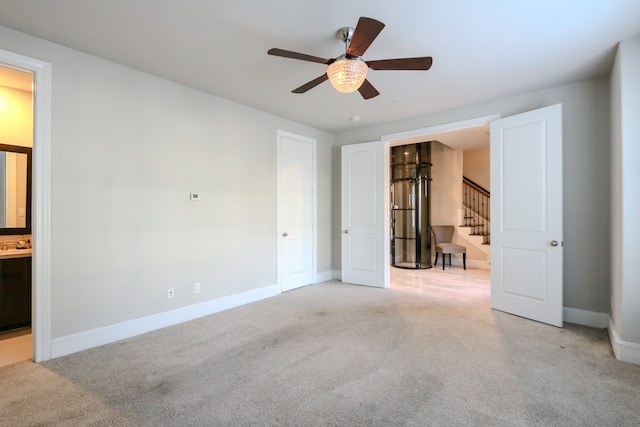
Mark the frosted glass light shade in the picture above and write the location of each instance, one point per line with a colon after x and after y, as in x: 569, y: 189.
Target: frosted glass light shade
x: 347, y: 75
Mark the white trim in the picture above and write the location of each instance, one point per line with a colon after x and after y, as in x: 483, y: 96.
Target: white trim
x: 585, y: 317
x: 41, y: 200
x: 324, y: 276
x: 624, y: 350
x: 281, y: 134
x: 336, y: 275
x: 432, y: 130
x: 387, y: 212
x: 108, y: 334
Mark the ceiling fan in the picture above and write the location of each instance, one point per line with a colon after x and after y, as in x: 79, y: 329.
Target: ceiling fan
x: 347, y: 73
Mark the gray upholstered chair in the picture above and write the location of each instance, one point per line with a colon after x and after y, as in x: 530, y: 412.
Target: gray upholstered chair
x: 443, y: 234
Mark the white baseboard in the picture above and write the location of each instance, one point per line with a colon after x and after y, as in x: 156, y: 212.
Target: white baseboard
x: 586, y: 318
x: 336, y: 275
x: 624, y: 350
x: 324, y: 276
x: 108, y: 334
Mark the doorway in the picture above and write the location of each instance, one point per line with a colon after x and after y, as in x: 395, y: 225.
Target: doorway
x: 451, y: 206
x: 40, y: 200
x: 450, y: 144
x: 16, y: 135
x: 526, y: 158
x: 526, y: 173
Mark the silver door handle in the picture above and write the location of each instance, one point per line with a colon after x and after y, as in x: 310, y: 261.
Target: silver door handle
x: 346, y: 231
x: 285, y: 234
x: 554, y: 243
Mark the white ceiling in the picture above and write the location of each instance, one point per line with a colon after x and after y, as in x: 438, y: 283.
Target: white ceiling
x: 482, y: 49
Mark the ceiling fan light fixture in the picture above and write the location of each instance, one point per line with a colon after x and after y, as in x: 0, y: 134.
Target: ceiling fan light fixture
x: 347, y: 75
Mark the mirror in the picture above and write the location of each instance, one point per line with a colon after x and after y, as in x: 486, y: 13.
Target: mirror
x: 15, y: 190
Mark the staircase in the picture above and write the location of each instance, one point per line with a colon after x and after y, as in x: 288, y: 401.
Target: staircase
x: 476, y: 207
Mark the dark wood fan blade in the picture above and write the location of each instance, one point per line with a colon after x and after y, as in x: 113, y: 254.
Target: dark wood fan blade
x: 296, y: 55
x: 313, y: 83
x: 367, y: 90
x: 401, y: 64
x: 365, y: 33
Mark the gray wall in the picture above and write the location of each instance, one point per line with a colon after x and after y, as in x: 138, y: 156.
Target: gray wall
x: 586, y: 178
x: 625, y: 194
x: 127, y: 149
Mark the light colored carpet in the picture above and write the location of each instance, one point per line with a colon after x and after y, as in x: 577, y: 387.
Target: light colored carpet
x: 335, y: 355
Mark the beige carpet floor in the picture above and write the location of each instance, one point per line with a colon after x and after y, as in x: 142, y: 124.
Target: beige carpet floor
x: 336, y: 355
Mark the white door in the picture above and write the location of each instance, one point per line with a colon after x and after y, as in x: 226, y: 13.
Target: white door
x: 526, y: 209
x: 364, y: 223
x: 296, y: 182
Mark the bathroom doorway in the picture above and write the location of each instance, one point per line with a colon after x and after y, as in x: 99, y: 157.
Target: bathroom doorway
x: 16, y: 136
x: 40, y: 200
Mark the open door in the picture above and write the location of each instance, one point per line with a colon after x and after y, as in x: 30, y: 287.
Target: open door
x: 526, y: 209
x: 365, y: 259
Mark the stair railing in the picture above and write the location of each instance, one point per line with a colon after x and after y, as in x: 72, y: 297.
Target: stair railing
x: 476, y: 202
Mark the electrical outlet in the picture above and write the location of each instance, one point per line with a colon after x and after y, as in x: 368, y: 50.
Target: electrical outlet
x: 196, y: 288
x: 170, y: 293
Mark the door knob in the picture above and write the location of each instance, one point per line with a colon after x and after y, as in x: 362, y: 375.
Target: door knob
x: 285, y: 234
x: 346, y: 231
x: 554, y: 243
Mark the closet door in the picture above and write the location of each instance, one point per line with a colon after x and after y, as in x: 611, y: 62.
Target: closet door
x: 296, y: 190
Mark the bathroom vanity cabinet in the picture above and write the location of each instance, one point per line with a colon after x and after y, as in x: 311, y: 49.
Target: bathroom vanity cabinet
x: 15, y: 293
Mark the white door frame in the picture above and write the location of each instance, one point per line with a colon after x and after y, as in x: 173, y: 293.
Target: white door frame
x: 413, y: 136
x: 40, y: 201
x: 424, y: 134
x: 313, y: 142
